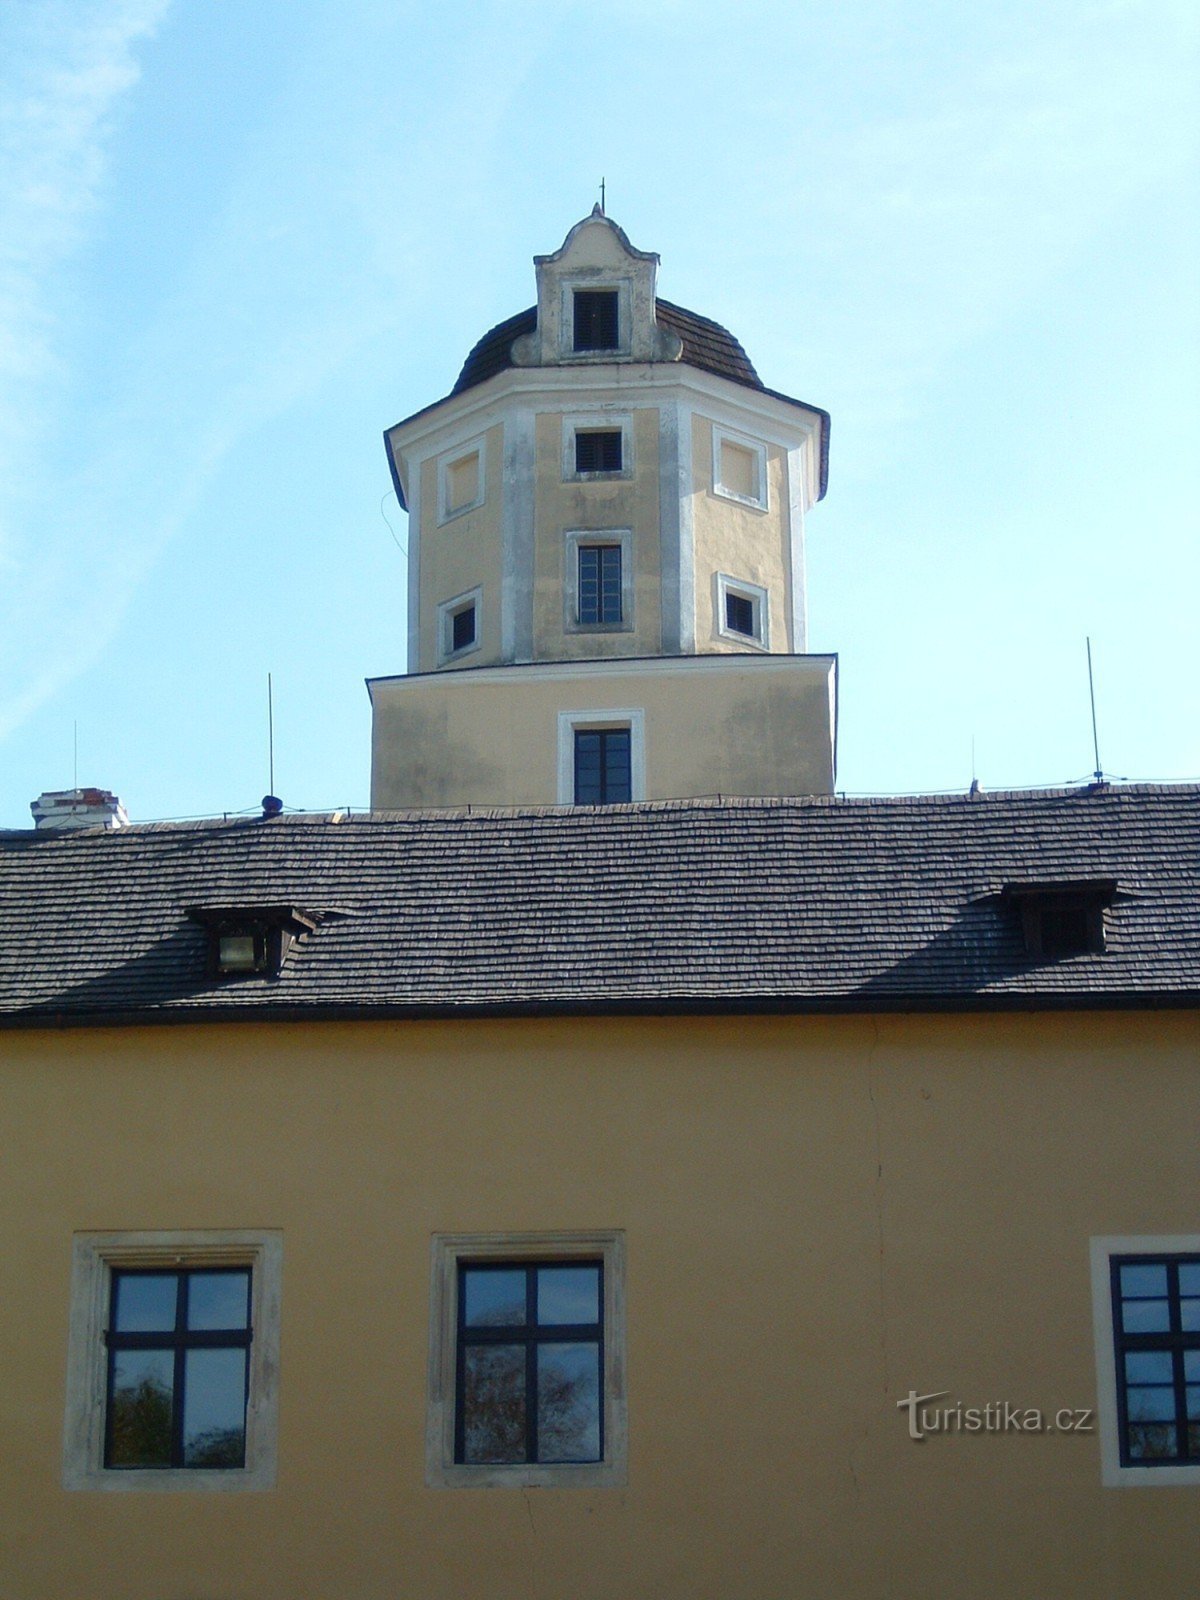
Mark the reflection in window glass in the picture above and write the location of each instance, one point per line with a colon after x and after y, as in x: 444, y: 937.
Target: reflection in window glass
x: 140, y: 1408
x: 493, y: 1296
x: 1158, y: 1365
x: 214, y: 1408
x: 178, y: 1362
x: 145, y: 1302
x: 568, y: 1402
x: 493, y: 1403
x: 530, y: 1363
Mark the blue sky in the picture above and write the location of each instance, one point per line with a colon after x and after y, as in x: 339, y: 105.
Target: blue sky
x: 238, y: 240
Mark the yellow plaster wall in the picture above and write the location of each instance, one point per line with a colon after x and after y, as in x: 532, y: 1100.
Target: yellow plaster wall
x: 465, y: 552
x: 763, y: 729
x: 819, y: 1214
x: 611, y: 504
x: 740, y: 541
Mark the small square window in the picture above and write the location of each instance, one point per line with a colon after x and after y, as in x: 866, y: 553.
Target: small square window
x: 242, y: 951
x: 1146, y: 1298
x: 600, y: 587
x: 739, y: 614
x: 741, y: 611
x: 527, y: 1361
x: 173, y: 1362
x: 458, y: 626
x: 596, y: 322
x: 598, y: 450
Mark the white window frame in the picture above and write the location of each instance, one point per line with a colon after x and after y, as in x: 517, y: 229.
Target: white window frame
x: 566, y: 317
x: 759, y: 500
x: 94, y: 1258
x: 760, y: 600
x: 623, y: 539
x: 571, y: 722
x: 1113, y: 1474
x: 592, y: 422
x: 446, y: 613
x: 441, y: 1469
x: 446, y: 464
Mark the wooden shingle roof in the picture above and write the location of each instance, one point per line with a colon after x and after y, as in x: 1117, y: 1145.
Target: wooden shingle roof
x: 706, y: 345
x: 795, y: 905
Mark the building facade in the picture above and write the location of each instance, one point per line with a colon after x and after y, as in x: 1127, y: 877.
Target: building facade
x: 603, y: 1184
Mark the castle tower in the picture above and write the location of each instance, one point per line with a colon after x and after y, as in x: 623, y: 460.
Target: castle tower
x: 606, y: 560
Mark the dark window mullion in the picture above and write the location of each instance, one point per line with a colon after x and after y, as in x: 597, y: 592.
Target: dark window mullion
x: 181, y: 1294
x: 531, y: 1365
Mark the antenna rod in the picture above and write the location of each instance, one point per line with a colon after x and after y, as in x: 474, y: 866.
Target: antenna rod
x: 75, y: 760
x: 602, y: 210
x: 270, y: 736
x: 1099, y: 774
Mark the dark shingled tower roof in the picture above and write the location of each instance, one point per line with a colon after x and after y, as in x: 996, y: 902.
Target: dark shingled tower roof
x: 706, y: 345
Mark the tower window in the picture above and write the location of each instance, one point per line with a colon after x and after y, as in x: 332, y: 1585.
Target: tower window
x: 739, y: 614
x: 458, y: 626
x: 462, y: 628
x: 462, y: 483
x: 598, y: 450
x: 741, y: 611
x: 596, y: 325
x: 462, y: 476
x: 603, y: 770
x: 599, y: 584
x: 739, y: 469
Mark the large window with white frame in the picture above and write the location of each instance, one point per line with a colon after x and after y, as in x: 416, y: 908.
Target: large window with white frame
x: 601, y: 757
x: 527, y: 1361
x: 598, y: 586
x: 173, y: 1361
x: 1146, y: 1313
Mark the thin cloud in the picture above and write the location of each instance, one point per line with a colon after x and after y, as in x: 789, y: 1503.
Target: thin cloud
x: 67, y: 68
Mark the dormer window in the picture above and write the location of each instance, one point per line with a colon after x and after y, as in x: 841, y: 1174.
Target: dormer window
x: 242, y: 952
x: 245, y: 941
x: 597, y: 323
x: 1059, y: 920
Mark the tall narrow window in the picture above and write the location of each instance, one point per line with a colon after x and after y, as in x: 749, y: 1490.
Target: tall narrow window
x: 603, y: 773
x: 1156, y: 1337
x: 598, y: 450
x: 178, y: 1368
x: 462, y: 628
x: 599, y: 583
x: 530, y: 1380
x: 596, y: 324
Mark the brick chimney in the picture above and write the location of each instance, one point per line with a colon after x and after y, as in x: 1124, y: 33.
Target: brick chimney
x: 78, y: 808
